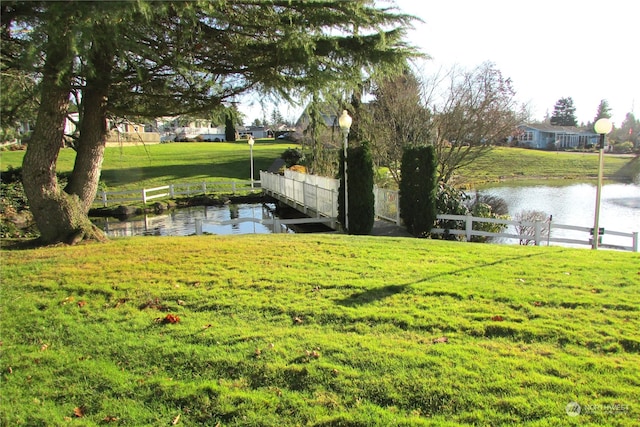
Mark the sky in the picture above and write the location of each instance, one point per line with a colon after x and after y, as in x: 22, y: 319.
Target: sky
x: 584, y: 49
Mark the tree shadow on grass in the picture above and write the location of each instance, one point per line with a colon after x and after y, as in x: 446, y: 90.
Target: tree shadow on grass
x: 376, y: 294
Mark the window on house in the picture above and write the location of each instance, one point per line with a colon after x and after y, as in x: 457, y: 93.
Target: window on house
x: 526, y: 136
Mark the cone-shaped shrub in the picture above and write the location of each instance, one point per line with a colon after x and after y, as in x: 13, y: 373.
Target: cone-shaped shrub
x: 361, y: 207
x: 418, y: 189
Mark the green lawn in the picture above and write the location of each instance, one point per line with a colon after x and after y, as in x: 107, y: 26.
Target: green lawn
x: 154, y: 165
x: 318, y: 330
x: 519, y: 163
x: 147, y: 166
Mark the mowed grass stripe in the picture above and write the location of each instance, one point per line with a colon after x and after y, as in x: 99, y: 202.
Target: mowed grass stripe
x: 318, y: 330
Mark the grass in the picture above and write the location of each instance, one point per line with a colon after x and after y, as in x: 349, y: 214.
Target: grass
x: 141, y: 166
x: 519, y: 163
x: 154, y: 165
x: 318, y: 330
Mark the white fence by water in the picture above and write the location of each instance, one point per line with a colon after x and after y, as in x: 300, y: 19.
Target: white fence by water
x: 318, y: 197
x: 306, y: 193
x: 106, y: 198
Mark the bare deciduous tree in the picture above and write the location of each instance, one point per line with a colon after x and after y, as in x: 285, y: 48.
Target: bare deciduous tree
x: 397, y: 119
x: 477, y: 110
x: 462, y: 113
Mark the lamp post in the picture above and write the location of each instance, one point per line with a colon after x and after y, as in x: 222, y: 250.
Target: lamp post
x: 250, y: 141
x: 602, y: 127
x: 345, y: 124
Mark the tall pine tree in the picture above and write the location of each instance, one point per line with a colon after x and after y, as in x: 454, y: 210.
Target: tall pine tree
x: 152, y: 59
x: 564, y: 113
x: 603, y: 112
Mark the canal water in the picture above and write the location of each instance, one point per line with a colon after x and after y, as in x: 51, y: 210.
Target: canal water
x: 575, y: 205
x: 571, y: 205
x: 182, y: 222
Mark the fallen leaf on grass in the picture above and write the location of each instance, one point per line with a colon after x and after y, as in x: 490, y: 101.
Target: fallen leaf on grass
x: 537, y: 303
x: 171, y: 318
x: 67, y: 300
x: 43, y: 347
x: 110, y: 419
x: 297, y: 320
x: 78, y: 411
x: 440, y: 340
x: 497, y: 318
x: 176, y: 420
x: 82, y: 303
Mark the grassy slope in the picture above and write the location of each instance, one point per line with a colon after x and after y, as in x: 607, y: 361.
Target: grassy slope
x: 80, y: 330
x: 153, y: 165
x: 519, y: 163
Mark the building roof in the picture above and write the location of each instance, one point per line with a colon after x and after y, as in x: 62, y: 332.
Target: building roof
x: 545, y: 127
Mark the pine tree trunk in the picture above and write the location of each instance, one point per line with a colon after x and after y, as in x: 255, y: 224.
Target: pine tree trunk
x: 93, y: 129
x: 59, y: 216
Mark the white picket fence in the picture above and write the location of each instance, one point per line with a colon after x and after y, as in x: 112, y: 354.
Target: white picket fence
x: 144, y: 195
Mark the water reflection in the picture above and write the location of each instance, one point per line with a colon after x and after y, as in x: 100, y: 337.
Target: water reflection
x: 575, y: 205
x: 182, y: 222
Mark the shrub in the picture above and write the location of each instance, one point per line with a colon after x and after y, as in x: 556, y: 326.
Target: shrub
x: 418, y: 192
x: 292, y: 156
x: 450, y: 201
x: 361, y: 197
x: 15, y: 219
x: 623, y: 147
x: 488, y: 206
x: 483, y: 210
x: 497, y: 204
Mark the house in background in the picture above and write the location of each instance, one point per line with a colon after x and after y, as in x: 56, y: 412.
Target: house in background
x: 256, y: 132
x: 120, y: 131
x: 545, y: 136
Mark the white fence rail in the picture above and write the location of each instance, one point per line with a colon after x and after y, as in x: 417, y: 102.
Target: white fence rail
x: 106, y: 198
x: 387, y: 204
x: 543, y: 232
x: 321, y: 200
